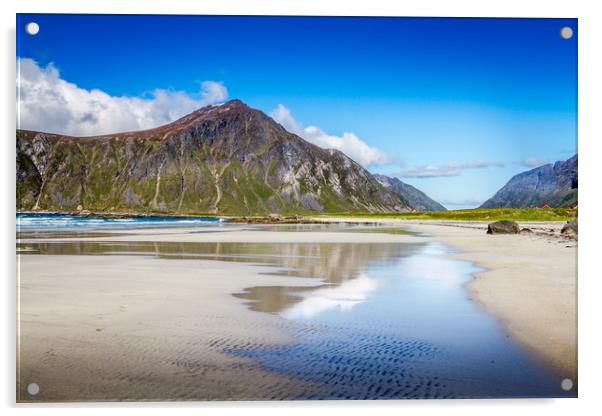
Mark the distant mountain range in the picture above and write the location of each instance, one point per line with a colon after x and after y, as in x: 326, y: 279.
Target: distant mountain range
x: 417, y: 199
x: 226, y: 159
x: 554, y: 185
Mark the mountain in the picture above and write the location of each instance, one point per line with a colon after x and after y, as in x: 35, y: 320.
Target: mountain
x: 551, y: 184
x: 417, y: 199
x: 226, y: 159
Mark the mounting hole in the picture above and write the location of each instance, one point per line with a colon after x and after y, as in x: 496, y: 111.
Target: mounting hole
x: 32, y: 28
x: 33, y: 389
x: 566, y: 32
x: 566, y: 384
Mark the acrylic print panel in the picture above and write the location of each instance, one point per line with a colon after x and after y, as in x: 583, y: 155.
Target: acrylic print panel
x: 275, y: 208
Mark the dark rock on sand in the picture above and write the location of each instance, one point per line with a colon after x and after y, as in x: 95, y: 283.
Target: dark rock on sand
x: 277, y: 219
x: 503, y: 227
x: 526, y: 231
x: 570, y: 228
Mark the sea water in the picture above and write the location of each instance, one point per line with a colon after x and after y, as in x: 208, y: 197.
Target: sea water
x: 65, y: 222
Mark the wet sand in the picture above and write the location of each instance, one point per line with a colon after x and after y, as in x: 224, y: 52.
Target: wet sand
x: 143, y: 325
x: 130, y: 328
x: 530, y: 285
x: 530, y: 282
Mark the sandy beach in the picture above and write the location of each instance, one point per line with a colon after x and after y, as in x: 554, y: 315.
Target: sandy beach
x: 130, y: 329
x: 121, y: 327
x: 83, y: 317
x: 530, y: 283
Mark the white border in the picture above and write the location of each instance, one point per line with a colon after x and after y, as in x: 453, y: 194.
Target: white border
x: 590, y: 136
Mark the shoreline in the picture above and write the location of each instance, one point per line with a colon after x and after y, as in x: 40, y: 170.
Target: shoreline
x: 490, y: 215
x: 529, y: 284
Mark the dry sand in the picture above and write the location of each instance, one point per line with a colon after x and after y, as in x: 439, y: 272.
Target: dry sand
x: 238, y: 233
x: 125, y: 328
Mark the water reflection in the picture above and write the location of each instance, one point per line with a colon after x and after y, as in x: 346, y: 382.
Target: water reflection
x: 338, y: 267
x: 344, y: 297
x: 404, y: 328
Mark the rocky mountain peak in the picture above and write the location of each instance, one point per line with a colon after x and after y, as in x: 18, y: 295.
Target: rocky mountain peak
x: 555, y: 185
x: 227, y: 158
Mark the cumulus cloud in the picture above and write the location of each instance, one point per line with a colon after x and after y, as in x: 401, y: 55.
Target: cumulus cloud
x: 448, y: 169
x: 46, y: 102
x: 533, y: 162
x: 348, y: 143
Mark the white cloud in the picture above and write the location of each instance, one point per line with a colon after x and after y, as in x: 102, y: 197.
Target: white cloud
x: 46, y: 102
x: 448, y: 169
x: 467, y: 202
x: 348, y: 143
x: 533, y: 162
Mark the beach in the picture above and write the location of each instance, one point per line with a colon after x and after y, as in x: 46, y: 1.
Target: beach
x: 149, y: 314
x: 129, y: 329
x: 530, y: 284
x: 88, y: 316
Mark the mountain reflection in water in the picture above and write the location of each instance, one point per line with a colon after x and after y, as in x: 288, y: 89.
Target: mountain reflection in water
x: 337, y: 266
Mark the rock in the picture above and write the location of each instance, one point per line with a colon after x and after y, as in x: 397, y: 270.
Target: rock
x: 296, y: 218
x: 526, y: 231
x: 275, y: 217
x: 503, y: 227
x: 570, y: 228
x: 79, y: 207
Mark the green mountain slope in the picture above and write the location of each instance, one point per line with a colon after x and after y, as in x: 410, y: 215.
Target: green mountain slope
x: 227, y: 159
x: 417, y: 199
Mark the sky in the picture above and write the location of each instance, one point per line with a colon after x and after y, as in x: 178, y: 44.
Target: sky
x: 455, y: 107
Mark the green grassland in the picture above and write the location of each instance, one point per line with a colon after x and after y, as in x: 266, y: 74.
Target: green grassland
x: 478, y: 214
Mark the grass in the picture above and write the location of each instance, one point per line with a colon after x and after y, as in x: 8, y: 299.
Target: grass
x: 478, y: 214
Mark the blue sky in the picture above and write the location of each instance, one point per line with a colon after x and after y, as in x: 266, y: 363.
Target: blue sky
x: 452, y: 106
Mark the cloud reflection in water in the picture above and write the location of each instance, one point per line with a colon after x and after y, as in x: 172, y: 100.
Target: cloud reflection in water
x: 344, y: 297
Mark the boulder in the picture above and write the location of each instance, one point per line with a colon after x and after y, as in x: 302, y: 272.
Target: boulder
x: 526, y: 231
x: 570, y: 228
x: 503, y: 227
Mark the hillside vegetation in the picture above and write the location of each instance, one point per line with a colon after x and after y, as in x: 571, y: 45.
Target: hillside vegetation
x: 478, y: 214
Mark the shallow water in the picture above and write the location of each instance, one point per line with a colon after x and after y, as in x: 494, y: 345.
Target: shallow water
x: 65, y: 222
x: 406, y: 329
x: 393, y: 320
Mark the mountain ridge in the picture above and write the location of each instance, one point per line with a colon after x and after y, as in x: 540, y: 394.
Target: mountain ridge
x: 555, y: 185
x: 222, y: 159
x: 418, y: 199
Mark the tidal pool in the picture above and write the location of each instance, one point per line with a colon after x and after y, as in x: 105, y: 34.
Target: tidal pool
x: 400, y: 325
